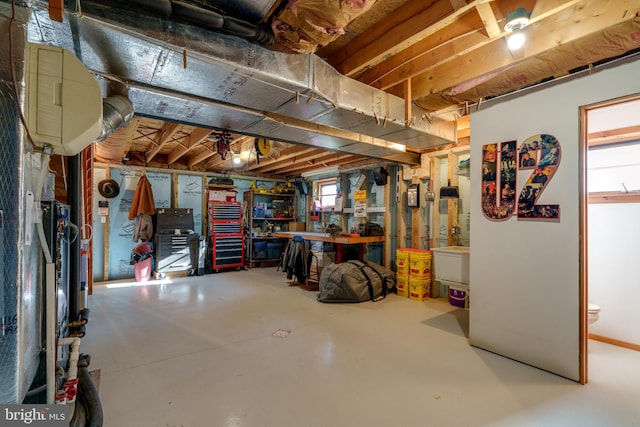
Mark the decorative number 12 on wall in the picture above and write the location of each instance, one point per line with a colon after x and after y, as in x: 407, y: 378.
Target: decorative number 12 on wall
x: 500, y: 163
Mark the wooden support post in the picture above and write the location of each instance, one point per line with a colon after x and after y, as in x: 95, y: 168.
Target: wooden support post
x: 407, y: 103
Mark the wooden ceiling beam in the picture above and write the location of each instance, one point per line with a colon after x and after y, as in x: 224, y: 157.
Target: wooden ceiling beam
x: 201, y: 156
x: 195, y: 138
x: 319, y: 160
x: 489, y: 20
x: 403, y: 27
x: 542, y: 36
x: 308, y: 168
x: 300, y: 156
x: 467, y: 34
x: 447, y: 44
x: 166, y: 133
x: 285, y: 155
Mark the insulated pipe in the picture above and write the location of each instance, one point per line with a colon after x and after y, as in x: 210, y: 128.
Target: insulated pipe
x: 206, y: 18
x: 89, y: 392
x: 210, y: 19
x: 75, y: 216
x: 117, y: 111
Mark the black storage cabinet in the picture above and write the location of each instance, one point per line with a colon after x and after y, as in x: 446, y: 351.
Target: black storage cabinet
x: 176, y: 243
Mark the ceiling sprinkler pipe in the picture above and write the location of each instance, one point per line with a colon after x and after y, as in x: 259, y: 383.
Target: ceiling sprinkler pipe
x: 117, y: 111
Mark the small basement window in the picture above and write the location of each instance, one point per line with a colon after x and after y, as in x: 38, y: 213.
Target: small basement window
x: 613, y: 174
x: 328, y: 190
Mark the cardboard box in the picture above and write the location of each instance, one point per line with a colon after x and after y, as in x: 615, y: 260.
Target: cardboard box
x: 222, y: 195
x: 297, y: 226
x: 324, y: 258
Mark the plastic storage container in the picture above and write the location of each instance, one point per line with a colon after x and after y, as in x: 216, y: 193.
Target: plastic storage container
x: 419, y: 288
x: 142, y: 270
x: 420, y: 263
x: 458, y: 297
x: 260, y: 250
x: 274, y: 250
x: 402, y: 285
x: 402, y: 260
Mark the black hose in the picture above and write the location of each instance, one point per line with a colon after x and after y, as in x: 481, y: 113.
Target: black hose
x: 80, y: 412
x: 89, y: 392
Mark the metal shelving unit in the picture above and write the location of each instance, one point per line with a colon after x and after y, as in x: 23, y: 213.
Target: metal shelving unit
x: 273, y: 215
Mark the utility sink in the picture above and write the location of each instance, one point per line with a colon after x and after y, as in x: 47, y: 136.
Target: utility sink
x: 451, y: 264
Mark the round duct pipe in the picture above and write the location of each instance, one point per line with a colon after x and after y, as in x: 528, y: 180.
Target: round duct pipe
x: 216, y: 21
x: 117, y: 111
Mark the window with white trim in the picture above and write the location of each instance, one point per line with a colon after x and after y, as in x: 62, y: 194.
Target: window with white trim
x: 327, y: 192
x: 613, y: 174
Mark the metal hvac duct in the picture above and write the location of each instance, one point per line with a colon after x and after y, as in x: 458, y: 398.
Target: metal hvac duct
x: 117, y: 111
x: 184, y: 73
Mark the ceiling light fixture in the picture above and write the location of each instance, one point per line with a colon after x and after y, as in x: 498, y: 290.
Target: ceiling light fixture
x: 236, y: 158
x: 516, y: 21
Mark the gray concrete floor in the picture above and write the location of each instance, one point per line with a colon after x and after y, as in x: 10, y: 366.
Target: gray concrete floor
x: 243, y: 348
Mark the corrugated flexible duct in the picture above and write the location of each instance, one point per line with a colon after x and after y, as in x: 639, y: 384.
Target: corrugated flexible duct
x: 117, y: 111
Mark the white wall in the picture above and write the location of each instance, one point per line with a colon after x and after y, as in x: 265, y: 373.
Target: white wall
x: 525, y: 274
x: 614, y: 282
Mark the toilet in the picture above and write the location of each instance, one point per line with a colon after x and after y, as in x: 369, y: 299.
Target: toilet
x: 594, y: 313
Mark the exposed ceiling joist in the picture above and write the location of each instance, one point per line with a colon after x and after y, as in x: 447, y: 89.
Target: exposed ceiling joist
x: 195, y: 138
x: 286, y: 157
x: 293, y: 162
x: 489, y: 20
x: 166, y: 133
x: 452, y: 42
x: 339, y: 161
x: 402, y: 28
x: 543, y: 36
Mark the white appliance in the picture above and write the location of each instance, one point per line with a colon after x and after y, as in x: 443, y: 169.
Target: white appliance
x: 63, y: 105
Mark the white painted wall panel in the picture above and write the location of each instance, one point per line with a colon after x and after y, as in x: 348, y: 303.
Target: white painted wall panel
x: 525, y: 274
x: 614, y: 282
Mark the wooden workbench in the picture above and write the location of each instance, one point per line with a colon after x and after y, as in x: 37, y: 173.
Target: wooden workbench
x: 339, y: 241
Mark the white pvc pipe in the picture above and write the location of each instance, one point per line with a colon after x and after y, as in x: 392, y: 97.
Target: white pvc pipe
x: 51, y: 309
x: 50, y: 290
x: 74, y: 355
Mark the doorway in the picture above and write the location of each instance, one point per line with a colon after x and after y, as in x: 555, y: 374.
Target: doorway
x: 611, y: 206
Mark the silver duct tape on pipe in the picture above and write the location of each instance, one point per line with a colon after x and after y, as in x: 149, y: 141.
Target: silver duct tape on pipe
x: 219, y: 68
x: 21, y: 334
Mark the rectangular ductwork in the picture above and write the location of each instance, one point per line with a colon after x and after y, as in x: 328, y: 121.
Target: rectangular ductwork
x: 199, y: 77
